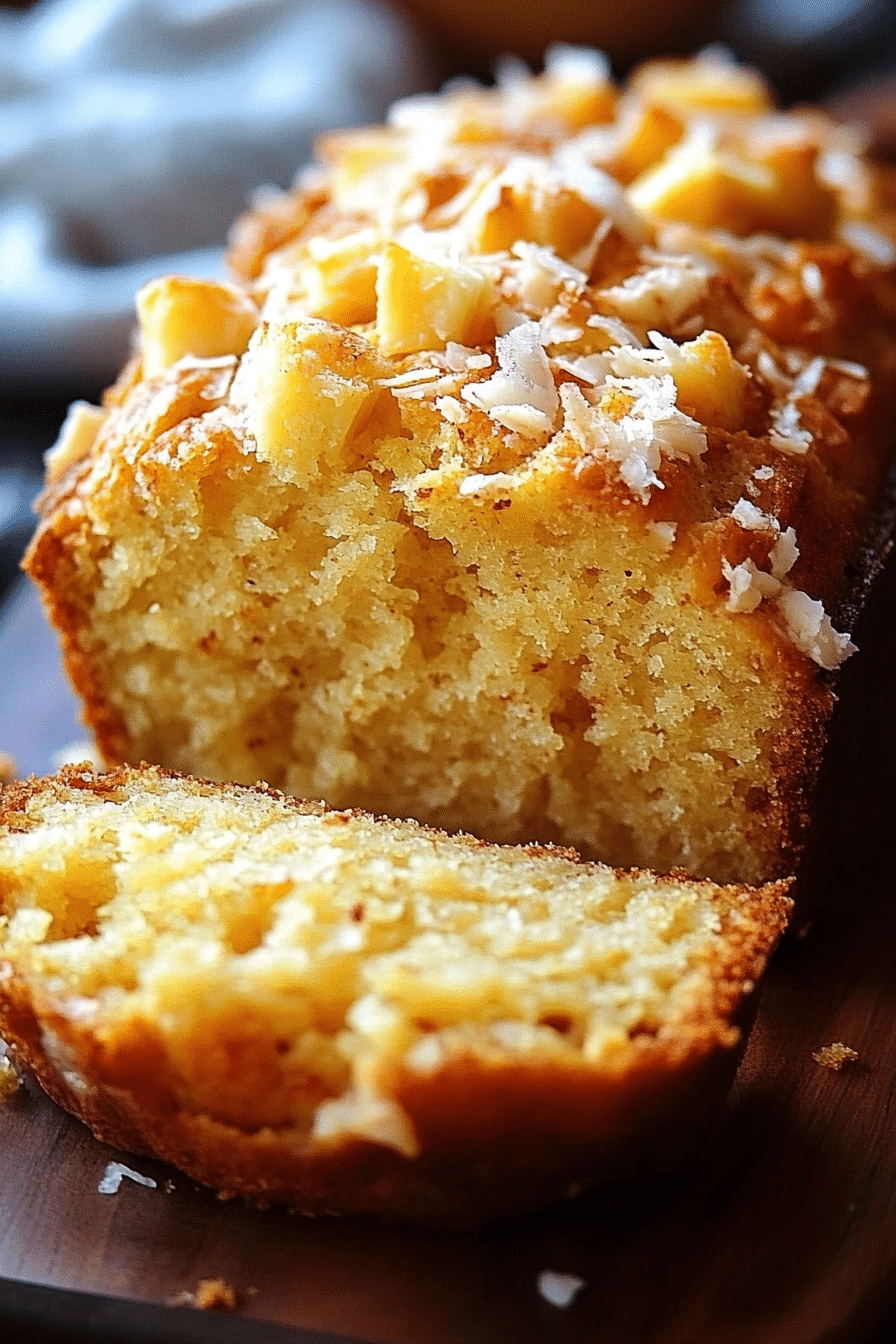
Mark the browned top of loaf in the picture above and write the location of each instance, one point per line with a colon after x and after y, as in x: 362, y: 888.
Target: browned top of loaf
x: 674, y: 295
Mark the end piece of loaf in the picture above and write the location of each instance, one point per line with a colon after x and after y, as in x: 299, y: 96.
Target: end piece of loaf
x: 519, y: 482
x: 359, y: 1015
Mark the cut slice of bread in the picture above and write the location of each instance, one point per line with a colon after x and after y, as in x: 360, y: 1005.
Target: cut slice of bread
x: 350, y: 1014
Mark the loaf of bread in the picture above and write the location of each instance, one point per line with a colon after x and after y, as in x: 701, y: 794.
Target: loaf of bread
x: 350, y: 1014
x: 523, y: 481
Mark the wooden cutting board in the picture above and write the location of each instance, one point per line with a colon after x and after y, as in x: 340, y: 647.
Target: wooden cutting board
x: 781, y: 1231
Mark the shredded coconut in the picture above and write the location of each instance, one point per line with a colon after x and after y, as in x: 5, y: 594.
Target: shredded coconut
x: 450, y: 409
x: 116, y: 1172
x: 411, y: 377
x: 590, y: 369
x: 661, y: 294
x: 616, y: 330
x: 600, y: 190
x: 560, y: 1290
x: 784, y: 554
x: 807, y: 382
x: 540, y: 274
x: 869, y: 242
x: 812, y: 278
x: 811, y: 631
x: 808, y: 625
x: 752, y: 519
x: 649, y: 428
x: 497, y: 482
x: 749, y: 585
x: 576, y: 65
x: 835, y: 1055
x: 788, y: 431
x: 521, y: 394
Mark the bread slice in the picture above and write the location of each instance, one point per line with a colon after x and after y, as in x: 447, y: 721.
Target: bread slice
x: 360, y: 1015
x: 519, y: 483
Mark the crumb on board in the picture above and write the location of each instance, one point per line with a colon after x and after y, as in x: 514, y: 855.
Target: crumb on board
x: 835, y: 1055
x: 115, y: 1173
x: 560, y: 1290
x: 8, y: 768
x: 210, y: 1295
x: 9, y: 1079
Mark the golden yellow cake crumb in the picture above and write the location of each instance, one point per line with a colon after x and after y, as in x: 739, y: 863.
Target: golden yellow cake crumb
x: 215, y: 1295
x: 835, y: 1055
x: 359, y: 1015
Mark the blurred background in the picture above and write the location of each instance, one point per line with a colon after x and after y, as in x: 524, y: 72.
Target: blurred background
x: 132, y: 132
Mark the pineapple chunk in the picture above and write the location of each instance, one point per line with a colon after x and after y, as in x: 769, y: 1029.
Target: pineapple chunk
x: 308, y: 391
x: 711, y: 383
x: 523, y: 208
x: 339, y: 278
x: 359, y: 159
x: 77, y: 436
x: 424, y: 304
x: 717, y: 188
x: 707, y: 187
x: 575, y: 89
x: 183, y: 316
x: 710, y: 83
x: 803, y: 206
x: 648, y: 132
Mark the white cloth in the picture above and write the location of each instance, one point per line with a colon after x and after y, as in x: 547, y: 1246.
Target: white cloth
x: 133, y: 131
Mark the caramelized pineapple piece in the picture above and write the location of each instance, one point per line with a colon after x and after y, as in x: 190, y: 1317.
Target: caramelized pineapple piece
x: 710, y: 82
x: 424, y: 304
x: 720, y: 188
x: 338, y: 276
x: 309, y: 389
x: 711, y: 383
x: 181, y: 316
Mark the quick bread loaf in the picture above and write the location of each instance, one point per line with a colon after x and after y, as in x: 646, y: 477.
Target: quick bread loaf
x: 523, y: 480
x: 359, y: 1015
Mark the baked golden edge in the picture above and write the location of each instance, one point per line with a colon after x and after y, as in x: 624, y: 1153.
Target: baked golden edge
x: 495, y: 1137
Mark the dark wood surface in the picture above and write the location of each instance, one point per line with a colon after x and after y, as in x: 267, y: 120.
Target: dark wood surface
x: 781, y: 1231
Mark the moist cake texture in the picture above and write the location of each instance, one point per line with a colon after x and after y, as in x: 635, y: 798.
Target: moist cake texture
x: 359, y: 1015
x: 519, y: 481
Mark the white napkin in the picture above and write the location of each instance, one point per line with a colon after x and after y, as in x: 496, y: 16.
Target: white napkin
x: 132, y: 132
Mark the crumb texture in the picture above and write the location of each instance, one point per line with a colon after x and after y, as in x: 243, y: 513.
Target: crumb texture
x: 304, y: 983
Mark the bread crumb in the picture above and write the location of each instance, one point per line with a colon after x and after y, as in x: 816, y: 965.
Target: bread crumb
x: 115, y: 1173
x: 210, y: 1295
x: 835, y: 1055
x: 8, y: 768
x: 560, y: 1290
x: 9, y: 1079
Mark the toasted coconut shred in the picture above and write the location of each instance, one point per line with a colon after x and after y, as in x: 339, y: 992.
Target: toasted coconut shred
x: 476, y: 219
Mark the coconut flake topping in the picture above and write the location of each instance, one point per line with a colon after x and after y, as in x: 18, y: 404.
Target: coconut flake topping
x: 521, y: 395
x: 636, y: 424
